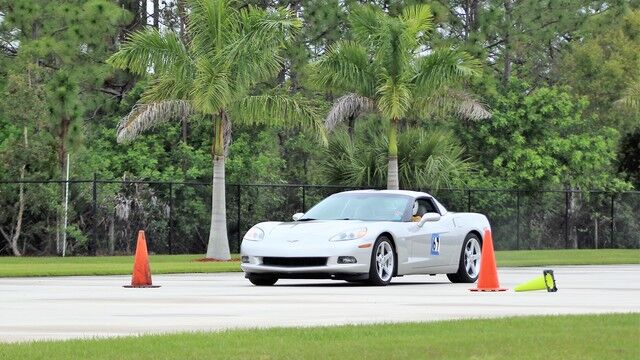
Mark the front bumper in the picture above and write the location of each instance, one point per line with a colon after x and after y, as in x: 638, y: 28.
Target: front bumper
x: 324, y: 272
x: 255, y: 251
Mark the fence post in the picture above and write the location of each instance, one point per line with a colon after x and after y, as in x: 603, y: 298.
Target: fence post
x: 468, y: 200
x: 238, y: 214
x: 566, y: 219
x: 304, y: 202
x: 613, y: 216
x: 170, y: 240
x: 94, y: 215
x: 517, y: 219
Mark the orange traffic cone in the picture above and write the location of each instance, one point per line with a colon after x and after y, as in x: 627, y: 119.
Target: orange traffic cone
x: 141, y: 277
x: 488, y: 278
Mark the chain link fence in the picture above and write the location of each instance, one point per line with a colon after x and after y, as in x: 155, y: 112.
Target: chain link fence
x: 104, y: 216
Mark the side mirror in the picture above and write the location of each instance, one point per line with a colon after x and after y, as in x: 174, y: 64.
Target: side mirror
x: 429, y: 217
x: 297, y: 216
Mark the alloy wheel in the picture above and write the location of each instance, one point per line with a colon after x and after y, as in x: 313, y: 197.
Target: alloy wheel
x: 472, y: 257
x: 384, y: 261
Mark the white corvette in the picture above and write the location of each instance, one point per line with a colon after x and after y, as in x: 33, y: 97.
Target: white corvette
x: 367, y: 236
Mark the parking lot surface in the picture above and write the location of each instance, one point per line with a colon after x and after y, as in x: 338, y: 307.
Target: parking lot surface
x: 84, y: 307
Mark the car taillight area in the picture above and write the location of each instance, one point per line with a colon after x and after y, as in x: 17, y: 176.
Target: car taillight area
x: 294, y: 261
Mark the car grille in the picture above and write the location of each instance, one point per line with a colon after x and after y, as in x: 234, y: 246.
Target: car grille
x: 294, y: 261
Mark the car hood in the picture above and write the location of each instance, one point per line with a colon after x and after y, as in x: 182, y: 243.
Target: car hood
x: 310, y: 230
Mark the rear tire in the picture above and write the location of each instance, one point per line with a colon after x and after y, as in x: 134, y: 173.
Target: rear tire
x: 469, y: 264
x: 262, y: 280
x: 383, y: 261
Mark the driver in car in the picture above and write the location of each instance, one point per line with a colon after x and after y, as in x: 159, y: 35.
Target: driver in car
x: 415, y: 215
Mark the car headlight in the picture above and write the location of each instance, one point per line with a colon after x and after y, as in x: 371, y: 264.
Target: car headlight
x: 350, y: 234
x: 254, y: 234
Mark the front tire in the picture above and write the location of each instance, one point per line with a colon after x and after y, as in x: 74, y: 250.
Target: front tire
x: 262, y: 280
x: 469, y: 265
x: 383, y: 261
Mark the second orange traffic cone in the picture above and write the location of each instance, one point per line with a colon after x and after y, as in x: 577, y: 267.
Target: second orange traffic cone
x: 141, y: 277
x: 488, y: 278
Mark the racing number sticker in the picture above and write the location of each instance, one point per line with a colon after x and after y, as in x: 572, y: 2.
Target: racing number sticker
x: 435, y: 244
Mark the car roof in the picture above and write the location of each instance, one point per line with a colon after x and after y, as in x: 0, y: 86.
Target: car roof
x: 396, y: 192
x: 413, y: 194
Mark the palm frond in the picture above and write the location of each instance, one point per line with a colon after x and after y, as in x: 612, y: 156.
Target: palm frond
x: 349, y: 163
x: 278, y: 110
x: 274, y: 24
x: 631, y: 97
x: 345, y: 66
x: 418, y: 21
x: 394, y: 99
x: 394, y: 51
x: 151, y: 49
x: 449, y: 100
x: 473, y: 109
x: 167, y: 86
x: 418, y: 18
x: 338, y: 168
x: 145, y: 116
x: 367, y: 23
x: 442, y: 67
x: 212, y: 24
x: 431, y: 159
x: 348, y: 106
x: 212, y: 89
x: 427, y: 159
x: 255, y: 56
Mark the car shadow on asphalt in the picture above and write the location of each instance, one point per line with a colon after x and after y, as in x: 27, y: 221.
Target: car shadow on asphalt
x: 345, y: 284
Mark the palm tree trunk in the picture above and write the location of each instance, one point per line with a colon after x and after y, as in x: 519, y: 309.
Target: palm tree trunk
x: 218, y: 247
x: 393, y: 182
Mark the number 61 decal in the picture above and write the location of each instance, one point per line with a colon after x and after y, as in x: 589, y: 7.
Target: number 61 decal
x: 435, y: 244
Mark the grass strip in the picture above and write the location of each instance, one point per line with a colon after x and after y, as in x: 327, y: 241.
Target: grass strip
x: 109, y: 265
x: 173, y: 264
x: 568, y: 257
x: 611, y: 336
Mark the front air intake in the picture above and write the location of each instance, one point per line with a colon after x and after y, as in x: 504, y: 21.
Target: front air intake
x: 294, y: 261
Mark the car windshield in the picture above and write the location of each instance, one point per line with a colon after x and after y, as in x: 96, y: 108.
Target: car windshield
x: 360, y: 206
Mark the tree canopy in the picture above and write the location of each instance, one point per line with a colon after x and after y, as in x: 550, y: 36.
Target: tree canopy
x: 487, y: 93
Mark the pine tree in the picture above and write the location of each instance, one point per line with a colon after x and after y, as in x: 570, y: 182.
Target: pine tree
x: 61, y: 46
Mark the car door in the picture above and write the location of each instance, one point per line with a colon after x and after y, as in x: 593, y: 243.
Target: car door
x: 429, y: 245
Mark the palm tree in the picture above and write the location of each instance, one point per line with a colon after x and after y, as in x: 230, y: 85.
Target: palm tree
x: 427, y: 159
x: 631, y: 97
x: 230, y: 50
x: 389, y: 69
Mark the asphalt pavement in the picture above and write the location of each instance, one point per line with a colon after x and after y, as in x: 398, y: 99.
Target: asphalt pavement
x: 98, y: 306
